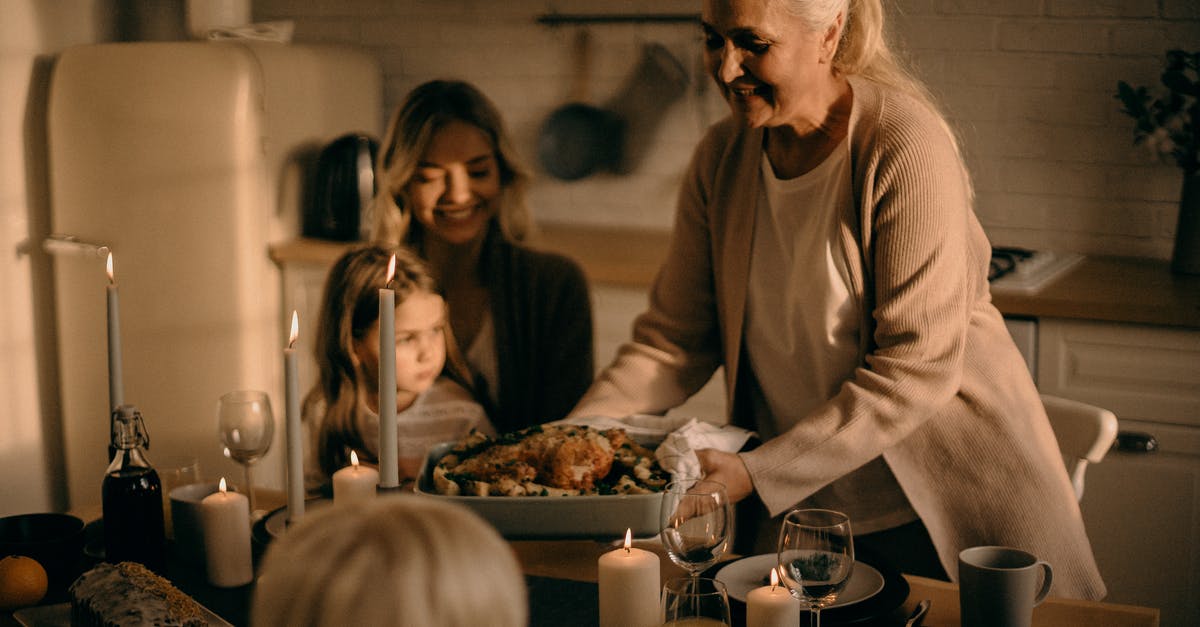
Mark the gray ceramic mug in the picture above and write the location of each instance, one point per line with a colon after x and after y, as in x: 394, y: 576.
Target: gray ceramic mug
x: 998, y: 586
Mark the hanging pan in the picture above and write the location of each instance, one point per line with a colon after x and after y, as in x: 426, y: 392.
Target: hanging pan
x: 578, y: 138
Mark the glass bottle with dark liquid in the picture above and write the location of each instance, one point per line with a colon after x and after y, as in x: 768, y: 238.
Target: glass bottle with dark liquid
x: 132, y: 497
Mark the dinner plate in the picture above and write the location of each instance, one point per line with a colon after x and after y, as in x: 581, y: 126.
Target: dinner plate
x: 748, y: 573
x: 876, y: 608
x: 59, y: 615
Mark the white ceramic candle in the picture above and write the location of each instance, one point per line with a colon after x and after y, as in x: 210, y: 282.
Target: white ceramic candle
x: 116, y: 387
x: 629, y: 587
x: 354, y: 483
x: 772, y: 606
x: 225, y: 521
x: 295, y: 446
x: 388, y: 454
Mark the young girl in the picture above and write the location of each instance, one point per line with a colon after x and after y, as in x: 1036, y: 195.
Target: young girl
x: 342, y: 410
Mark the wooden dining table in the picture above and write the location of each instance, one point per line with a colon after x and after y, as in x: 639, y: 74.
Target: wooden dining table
x: 561, y: 577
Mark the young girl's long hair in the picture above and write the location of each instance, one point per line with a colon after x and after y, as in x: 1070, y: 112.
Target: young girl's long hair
x: 349, y: 306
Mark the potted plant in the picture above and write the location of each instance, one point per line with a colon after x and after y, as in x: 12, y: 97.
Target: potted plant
x: 1168, y: 121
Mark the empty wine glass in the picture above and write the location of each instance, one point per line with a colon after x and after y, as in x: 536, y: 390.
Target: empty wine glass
x: 695, y: 602
x: 816, y: 556
x: 246, y: 425
x: 696, y: 523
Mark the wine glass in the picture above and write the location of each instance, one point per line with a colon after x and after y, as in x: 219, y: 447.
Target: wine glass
x: 816, y: 556
x: 697, y: 523
x: 696, y: 601
x: 246, y: 425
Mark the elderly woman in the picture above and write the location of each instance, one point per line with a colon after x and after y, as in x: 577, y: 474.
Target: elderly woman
x: 451, y: 187
x: 825, y: 253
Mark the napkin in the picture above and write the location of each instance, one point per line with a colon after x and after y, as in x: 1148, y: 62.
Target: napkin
x: 677, y: 438
x: 677, y: 453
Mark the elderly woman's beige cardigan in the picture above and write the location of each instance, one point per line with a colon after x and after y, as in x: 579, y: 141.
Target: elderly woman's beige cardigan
x: 941, y: 391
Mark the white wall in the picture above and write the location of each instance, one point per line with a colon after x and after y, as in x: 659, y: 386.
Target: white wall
x: 31, y: 31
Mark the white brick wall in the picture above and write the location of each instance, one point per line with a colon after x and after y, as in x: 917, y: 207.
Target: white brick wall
x: 1028, y: 83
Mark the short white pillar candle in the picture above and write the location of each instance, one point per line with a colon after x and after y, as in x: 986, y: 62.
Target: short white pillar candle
x: 225, y: 520
x: 354, y: 483
x: 772, y: 606
x: 629, y: 587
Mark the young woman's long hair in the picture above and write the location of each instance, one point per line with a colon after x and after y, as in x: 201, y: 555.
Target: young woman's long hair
x: 427, y: 109
x: 349, y: 306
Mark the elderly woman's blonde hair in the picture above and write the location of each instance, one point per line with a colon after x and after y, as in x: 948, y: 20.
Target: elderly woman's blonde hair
x: 400, y: 560
x: 864, y: 48
x: 425, y: 110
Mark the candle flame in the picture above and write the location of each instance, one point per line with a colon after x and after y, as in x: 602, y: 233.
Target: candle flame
x: 391, y: 273
x: 628, y: 539
x: 774, y: 578
x: 354, y: 459
x: 295, y: 329
x: 222, y: 486
x: 226, y: 452
x: 108, y: 267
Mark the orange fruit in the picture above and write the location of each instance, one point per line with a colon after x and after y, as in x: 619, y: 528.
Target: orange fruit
x: 22, y: 582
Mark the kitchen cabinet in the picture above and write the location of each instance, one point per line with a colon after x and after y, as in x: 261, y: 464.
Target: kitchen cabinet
x: 1141, y: 509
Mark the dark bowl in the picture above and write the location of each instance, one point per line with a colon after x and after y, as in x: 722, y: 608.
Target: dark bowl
x: 54, y: 540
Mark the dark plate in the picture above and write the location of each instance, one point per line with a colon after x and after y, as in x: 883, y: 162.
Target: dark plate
x: 878, y: 609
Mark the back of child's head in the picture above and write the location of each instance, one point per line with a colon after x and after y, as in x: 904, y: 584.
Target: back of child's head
x: 401, y: 560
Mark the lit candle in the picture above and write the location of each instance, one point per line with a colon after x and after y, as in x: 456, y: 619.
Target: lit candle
x: 354, y: 483
x: 629, y: 587
x: 225, y: 520
x: 388, y: 454
x: 116, y: 388
x: 295, y: 447
x: 772, y: 606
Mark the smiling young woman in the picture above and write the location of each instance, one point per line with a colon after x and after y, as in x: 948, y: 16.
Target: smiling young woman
x: 452, y: 188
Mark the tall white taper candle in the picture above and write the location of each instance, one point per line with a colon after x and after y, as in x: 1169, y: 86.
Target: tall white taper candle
x: 295, y: 447
x: 116, y: 387
x: 389, y: 469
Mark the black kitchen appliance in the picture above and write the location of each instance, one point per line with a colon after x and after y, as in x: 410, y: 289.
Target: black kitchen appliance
x: 342, y: 189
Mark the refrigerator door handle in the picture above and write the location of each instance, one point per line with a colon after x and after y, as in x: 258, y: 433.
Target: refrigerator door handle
x: 58, y: 243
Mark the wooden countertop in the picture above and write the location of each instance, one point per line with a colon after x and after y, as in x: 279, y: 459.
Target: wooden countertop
x: 1109, y: 289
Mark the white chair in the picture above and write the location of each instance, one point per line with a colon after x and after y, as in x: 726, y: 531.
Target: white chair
x: 1085, y: 433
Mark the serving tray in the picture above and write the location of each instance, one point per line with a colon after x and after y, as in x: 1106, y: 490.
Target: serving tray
x: 601, y: 517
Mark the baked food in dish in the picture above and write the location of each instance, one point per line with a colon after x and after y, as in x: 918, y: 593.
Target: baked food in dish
x: 128, y: 594
x: 548, y: 460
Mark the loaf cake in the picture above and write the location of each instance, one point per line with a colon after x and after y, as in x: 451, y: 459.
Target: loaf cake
x: 128, y: 594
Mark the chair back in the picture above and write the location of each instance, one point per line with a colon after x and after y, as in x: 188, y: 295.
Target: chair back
x: 1084, y: 432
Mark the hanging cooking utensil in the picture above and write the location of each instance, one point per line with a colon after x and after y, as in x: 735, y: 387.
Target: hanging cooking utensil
x: 658, y: 80
x: 577, y: 138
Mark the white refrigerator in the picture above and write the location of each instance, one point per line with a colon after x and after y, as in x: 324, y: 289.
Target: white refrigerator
x: 187, y: 160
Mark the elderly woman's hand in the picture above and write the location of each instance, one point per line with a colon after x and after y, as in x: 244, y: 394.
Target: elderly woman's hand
x: 727, y: 469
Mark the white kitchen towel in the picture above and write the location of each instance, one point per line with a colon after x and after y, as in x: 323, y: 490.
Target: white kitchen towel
x: 677, y: 453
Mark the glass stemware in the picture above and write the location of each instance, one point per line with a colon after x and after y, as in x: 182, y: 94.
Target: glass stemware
x: 695, y: 602
x: 697, y: 523
x: 816, y: 556
x: 246, y: 426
